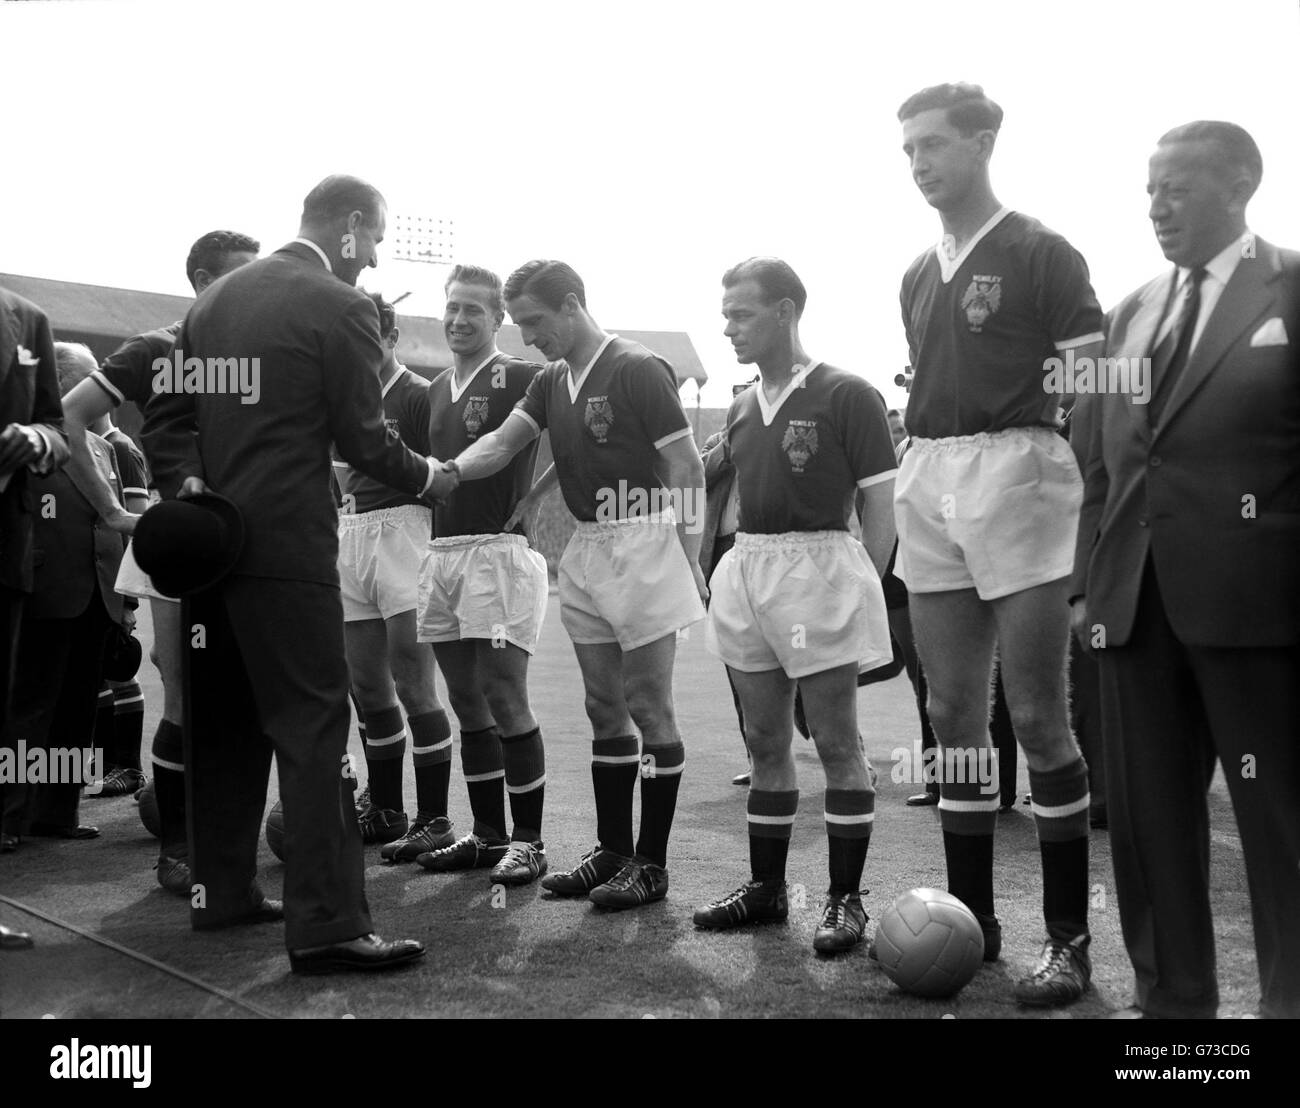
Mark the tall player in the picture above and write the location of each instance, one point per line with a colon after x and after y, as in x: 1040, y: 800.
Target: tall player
x: 483, y: 594
x: 797, y: 602
x: 128, y: 374
x: 987, y: 507
x: 630, y: 576
x: 382, y: 535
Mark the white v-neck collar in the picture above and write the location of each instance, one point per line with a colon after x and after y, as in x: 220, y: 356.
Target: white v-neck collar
x: 768, y: 411
x: 458, y: 392
x: 948, y: 268
x: 401, y: 371
x: 575, y: 386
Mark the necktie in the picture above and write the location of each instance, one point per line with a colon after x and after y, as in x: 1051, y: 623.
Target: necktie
x: 1170, y: 357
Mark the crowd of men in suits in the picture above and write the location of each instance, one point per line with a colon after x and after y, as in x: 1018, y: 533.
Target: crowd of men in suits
x: 1164, y: 535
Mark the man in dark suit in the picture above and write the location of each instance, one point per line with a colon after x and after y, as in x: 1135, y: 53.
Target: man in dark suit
x: 65, y: 629
x: 272, y: 665
x: 32, y: 437
x: 1187, y: 576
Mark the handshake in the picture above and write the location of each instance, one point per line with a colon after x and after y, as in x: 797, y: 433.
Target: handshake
x: 445, y: 479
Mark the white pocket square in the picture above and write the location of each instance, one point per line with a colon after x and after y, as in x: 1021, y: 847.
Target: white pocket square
x: 25, y: 357
x: 1272, y: 333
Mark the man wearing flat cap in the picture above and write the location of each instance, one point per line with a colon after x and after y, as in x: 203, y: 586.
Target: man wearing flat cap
x: 280, y: 358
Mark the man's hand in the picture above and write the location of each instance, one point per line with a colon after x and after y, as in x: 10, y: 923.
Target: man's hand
x: 193, y: 486
x: 1079, y: 624
x: 122, y: 521
x: 526, y: 513
x: 20, y: 445
x: 701, y: 585
x: 128, y: 620
x: 445, y: 481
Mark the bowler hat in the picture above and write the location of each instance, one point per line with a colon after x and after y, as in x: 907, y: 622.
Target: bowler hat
x: 189, y: 545
x: 123, y: 656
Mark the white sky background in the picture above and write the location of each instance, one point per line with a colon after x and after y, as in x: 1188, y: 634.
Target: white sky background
x: 650, y: 145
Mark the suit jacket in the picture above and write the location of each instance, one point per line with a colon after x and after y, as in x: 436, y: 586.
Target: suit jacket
x: 1213, y: 494
x: 719, y: 474
x: 28, y: 394
x: 311, y: 344
x: 75, y: 555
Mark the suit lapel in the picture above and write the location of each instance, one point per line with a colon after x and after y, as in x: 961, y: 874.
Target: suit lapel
x: 1139, y: 339
x: 1243, y: 302
x: 98, y: 458
x: 9, y: 351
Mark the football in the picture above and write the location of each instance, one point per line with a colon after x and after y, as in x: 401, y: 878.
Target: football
x: 275, y: 830
x: 149, y: 809
x: 929, y: 943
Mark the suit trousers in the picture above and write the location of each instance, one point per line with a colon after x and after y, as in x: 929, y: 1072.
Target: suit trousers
x: 265, y: 672
x: 56, y: 687
x: 1168, y: 710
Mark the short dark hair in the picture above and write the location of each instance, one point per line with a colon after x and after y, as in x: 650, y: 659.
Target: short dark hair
x: 387, y: 314
x: 478, y: 275
x: 1237, y: 150
x: 212, y: 252
x: 340, y: 195
x: 968, y: 109
x: 776, y: 279
x: 547, y: 280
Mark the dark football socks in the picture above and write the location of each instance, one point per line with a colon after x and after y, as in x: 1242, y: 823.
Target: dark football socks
x: 481, y: 761
x: 968, y: 814
x: 1060, y: 800
x: 661, y: 776
x: 771, y: 819
x: 431, y: 753
x: 168, y: 755
x: 525, y: 766
x: 849, y: 814
x: 385, y: 754
x: 128, y: 725
x: 615, y: 766
x: 104, y: 739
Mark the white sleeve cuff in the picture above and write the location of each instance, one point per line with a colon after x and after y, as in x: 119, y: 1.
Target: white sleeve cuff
x: 668, y: 440
x: 1082, y: 340
x: 877, y: 479
x: 529, y: 419
x: 104, y: 383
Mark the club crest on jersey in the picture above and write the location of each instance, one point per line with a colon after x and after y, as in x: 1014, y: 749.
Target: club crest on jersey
x: 475, y: 415
x: 982, y: 298
x: 599, y: 417
x: 392, y: 426
x: 799, y: 443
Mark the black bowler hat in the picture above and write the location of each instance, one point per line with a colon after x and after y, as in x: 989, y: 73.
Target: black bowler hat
x: 123, y: 656
x: 189, y: 545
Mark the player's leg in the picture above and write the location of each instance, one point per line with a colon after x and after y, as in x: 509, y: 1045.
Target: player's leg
x: 615, y: 766
x: 831, y: 705
x: 503, y: 669
x: 366, y: 640
x: 481, y: 763
x: 955, y: 636
x: 767, y: 700
x: 167, y: 752
x: 647, y: 673
x: 1033, y: 642
x: 412, y: 665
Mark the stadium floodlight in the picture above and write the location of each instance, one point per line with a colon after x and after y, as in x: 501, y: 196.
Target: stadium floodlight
x: 422, y: 238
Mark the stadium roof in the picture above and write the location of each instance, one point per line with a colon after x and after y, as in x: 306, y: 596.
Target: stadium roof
x: 103, y: 317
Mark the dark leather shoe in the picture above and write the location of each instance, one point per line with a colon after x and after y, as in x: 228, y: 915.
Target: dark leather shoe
x: 14, y: 940
x: 364, y: 953
x: 741, y: 779
x: 922, y: 800
x: 55, y: 831
x: 9, y: 843
x: 269, y: 911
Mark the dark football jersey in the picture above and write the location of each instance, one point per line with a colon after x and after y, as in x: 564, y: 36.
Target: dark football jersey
x: 459, y: 417
x: 981, y: 327
x: 800, y: 460
x: 128, y: 372
x: 406, y: 414
x: 608, y: 427
x: 130, y: 463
